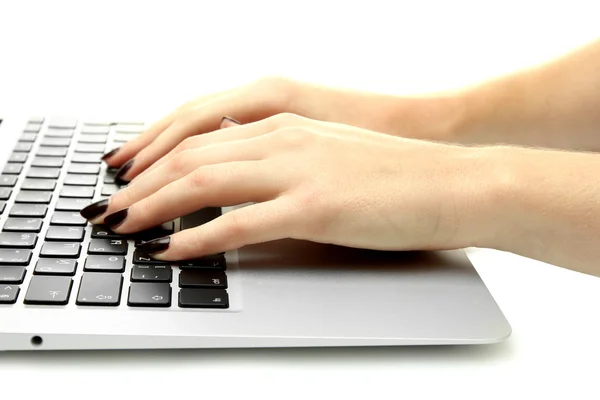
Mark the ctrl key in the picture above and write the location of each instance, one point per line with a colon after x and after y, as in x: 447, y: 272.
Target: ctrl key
x: 203, y: 298
x: 8, y: 294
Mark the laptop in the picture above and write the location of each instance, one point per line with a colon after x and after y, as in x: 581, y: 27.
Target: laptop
x: 67, y: 285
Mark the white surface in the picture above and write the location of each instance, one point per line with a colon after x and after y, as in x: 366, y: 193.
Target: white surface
x: 138, y: 58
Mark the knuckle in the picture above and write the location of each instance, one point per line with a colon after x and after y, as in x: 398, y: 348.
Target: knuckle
x: 294, y: 137
x: 236, y: 226
x: 202, y: 177
x: 286, y: 119
x: 178, y: 163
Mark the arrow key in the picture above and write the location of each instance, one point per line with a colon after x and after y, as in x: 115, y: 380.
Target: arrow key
x: 50, y: 290
x: 100, y: 289
x: 149, y: 295
x: 8, y: 294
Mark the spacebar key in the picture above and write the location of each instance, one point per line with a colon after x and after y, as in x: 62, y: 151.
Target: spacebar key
x: 200, y: 217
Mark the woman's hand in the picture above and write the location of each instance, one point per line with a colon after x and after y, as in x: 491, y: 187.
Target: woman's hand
x: 308, y: 180
x: 414, y: 117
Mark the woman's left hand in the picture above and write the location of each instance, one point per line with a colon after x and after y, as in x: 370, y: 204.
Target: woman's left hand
x: 308, y: 180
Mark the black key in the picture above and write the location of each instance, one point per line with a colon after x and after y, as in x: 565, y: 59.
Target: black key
x: 59, y: 133
x: 32, y: 127
x: 67, y: 218
x: 17, y: 157
x: 5, y: 193
x: 108, y: 246
x: 105, y: 263
x: 151, y: 273
x: 67, y: 204
x: 84, y: 169
x: 2, y: 206
x: 8, y: 180
x: 87, y: 158
x: 15, y: 257
x: 44, y: 173
x: 109, y: 190
x: 202, y: 279
x: 51, y: 290
x: 102, y: 232
x: 81, y: 180
x: 47, y: 162
x: 23, y: 225
x: 60, y: 250
x: 143, y: 258
x: 52, y: 151
x: 82, y: 192
x: 95, y: 129
x: 23, y: 147
x: 28, y: 137
x: 203, y: 298
x: 164, y: 229
x: 200, y: 217
x: 89, y: 148
x: 56, y: 142
x: 149, y: 295
x: 8, y: 293
x: 12, y: 169
x: 12, y: 274
x: 53, y: 266
x: 213, y: 261
x: 65, y: 233
x: 63, y: 122
x: 38, y: 184
x: 34, y: 196
x: 28, y: 210
x: 97, y: 139
x: 18, y: 240
x: 100, y: 289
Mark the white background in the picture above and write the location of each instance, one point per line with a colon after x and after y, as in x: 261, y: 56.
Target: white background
x: 144, y: 58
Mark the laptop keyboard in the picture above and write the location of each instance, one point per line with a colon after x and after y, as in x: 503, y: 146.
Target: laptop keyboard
x: 51, y: 256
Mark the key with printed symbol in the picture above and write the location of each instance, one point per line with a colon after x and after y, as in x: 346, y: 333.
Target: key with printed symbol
x: 8, y: 293
x: 14, y: 275
x: 15, y: 257
x: 58, y: 233
x: 17, y: 157
x: 216, y: 261
x: 72, y: 204
x: 149, y: 295
x: 102, y: 232
x: 18, y: 240
x: 203, y: 298
x: 108, y: 246
x: 55, y: 266
x: 38, y: 184
x: 50, y: 290
x: 104, y: 263
x: 202, y: 279
x: 67, y: 218
x: 82, y: 192
x: 5, y: 193
x: 48, y: 162
x: 100, y: 289
x: 44, y: 173
x: 12, y: 169
x: 23, y: 225
x: 143, y: 258
x: 60, y: 250
x: 152, y: 273
x: 28, y: 210
x: 33, y: 196
x: 8, y: 180
x: 87, y: 158
x: 47, y: 151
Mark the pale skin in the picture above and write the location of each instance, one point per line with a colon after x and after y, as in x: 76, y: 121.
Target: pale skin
x: 508, y: 164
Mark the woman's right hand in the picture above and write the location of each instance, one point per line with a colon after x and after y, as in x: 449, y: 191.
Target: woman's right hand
x: 409, y: 117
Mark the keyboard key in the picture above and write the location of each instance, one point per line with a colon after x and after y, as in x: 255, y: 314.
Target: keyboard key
x: 84, y: 169
x: 200, y: 217
x: 23, y: 225
x: 108, y: 246
x: 63, y: 122
x: 97, y: 139
x: 109, y: 190
x: 151, y: 273
x: 32, y: 127
x: 28, y: 137
x: 37, y: 119
x: 67, y: 218
x: 105, y: 263
x: 164, y: 229
x: 70, y: 204
x: 2, y: 207
x: 214, y: 261
x: 143, y: 258
x: 45, y: 173
x: 14, y: 257
x: 95, y: 129
x: 28, y: 210
x: 83, y: 192
x: 102, y: 232
x: 59, y: 133
x: 12, y: 275
x: 87, y: 158
x: 51, y: 290
x: 17, y: 157
x: 203, y: 298
x: 5, y: 193
x: 149, y: 295
x: 109, y: 178
x: 52, y: 151
x: 60, y: 250
x: 136, y: 127
x: 38, y: 184
x: 18, y: 240
x: 8, y: 294
x: 47, y: 162
x: 89, y: 148
x: 12, y: 169
x: 56, y: 141
x: 202, y: 279
x: 100, y: 289
x: 65, y: 233
x: 81, y: 180
x: 52, y: 266
x: 8, y: 180
x: 23, y: 147
x: 123, y: 138
x: 34, y: 196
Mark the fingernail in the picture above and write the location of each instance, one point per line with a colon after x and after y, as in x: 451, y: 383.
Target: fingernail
x: 235, y: 121
x: 122, y: 171
x: 110, y: 154
x: 154, y: 245
x: 94, y: 209
x: 115, y: 219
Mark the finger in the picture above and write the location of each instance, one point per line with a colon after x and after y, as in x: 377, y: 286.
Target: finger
x: 219, y: 185
x: 256, y: 223
x: 228, y: 122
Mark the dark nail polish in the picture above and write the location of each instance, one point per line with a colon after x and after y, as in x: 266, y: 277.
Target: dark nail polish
x: 94, y: 209
x: 110, y: 154
x: 122, y: 171
x: 155, y: 245
x: 235, y: 121
x: 115, y: 219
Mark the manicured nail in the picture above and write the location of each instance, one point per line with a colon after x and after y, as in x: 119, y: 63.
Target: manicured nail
x: 154, y: 245
x: 110, y: 154
x: 235, y: 121
x: 94, y: 209
x: 115, y: 219
x: 122, y: 171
